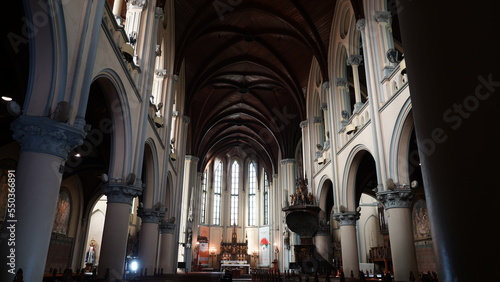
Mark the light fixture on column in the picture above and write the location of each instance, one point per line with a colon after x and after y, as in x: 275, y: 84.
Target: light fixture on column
x: 321, y: 160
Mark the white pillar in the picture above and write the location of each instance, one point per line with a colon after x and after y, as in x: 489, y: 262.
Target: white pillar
x: 343, y: 89
x: 117, y: 10
x: 306, y: 149
x: 288, y: 177
x: 404, y: 259
x: 187, y: 216
x: 148, y: 244
x: 115, y: 233
x: 349, y: 242
x: 35, y: 186
x: 322, y: 241
x: 167, y: 241
x: 355, y: 61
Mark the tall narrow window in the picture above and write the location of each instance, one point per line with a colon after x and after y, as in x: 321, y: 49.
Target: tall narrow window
x: 217, y: 191
x: 266, y: 200
x: 252, y: 185
x: 203, y: 198
x: 235, y: 181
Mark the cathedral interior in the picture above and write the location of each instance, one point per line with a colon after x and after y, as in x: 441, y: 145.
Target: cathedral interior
x: 143, y: 139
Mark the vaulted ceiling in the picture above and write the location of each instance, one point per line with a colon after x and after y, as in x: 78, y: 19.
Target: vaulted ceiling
x: 247, y: 65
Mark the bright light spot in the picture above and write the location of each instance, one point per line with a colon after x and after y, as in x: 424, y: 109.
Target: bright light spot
x: 134, y: 265
x: 6, y: 98
x: 78, y: 155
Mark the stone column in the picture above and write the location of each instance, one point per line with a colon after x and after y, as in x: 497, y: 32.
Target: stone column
x: 117, y: 11
x: 306, y: 148
x: 25, y: 238
x: 288, y: 177
x: 187, y: 215
x: 355, y: 61
x: 167, y: 240
x: 349, y: 242
x: 115, y: 233
x: 455, y: 120
x: 397, y: 203
x: 148, y: 244
x: 318, y: 131
x: 322, y: 241
x: 343, y: 90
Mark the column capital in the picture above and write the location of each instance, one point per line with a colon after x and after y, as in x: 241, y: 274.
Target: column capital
x: 45, y: 135
x: 121, y: 193
x: 159, y: 13
x: 360, y: 24
x: 354, y: 60
x: 346, y: 218
x: 161, y: 73
x: 383, y: 17
x: 167, y: 227
x: 288, y: 161
x: 398, y: 198
x: 341, y: 82
x: 323, y: 228
x: 324, y: 106
x: 151, y: 215
x: 303, y: 123
x: 191, y: 158
x: 326, y: 85
x: 317, y: 119
x: 141, y: 4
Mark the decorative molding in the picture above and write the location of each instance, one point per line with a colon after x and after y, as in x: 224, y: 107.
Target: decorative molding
x: 360, y: 24
x: 326, y: 85
x: 323, y: 231
x: 341, y: 82
x: 288, y: 161
x: 167, y: 227
x: 317, y: 119
x: 151, y: 215
x: 159, y: 13
x: 121, y: 193
x: 323, y: 227
x: 398, y: 198
x: 158, y: 50
x: 346, y: 218
x: 354, y: 60
x: 45, y: 135
x: 161, y: 73
x: 303, y: 123
x: 138, y: 3
x: 383, y: 17
x: 324, y: 106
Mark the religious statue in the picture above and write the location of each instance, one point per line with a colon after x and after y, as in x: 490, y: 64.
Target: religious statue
x: 90, y: 255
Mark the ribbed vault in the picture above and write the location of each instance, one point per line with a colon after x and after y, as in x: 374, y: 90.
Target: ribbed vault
x: 246, y: 68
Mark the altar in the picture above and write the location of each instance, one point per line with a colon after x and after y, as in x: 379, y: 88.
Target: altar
x: 242, y: 266
x: 234, y: 256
